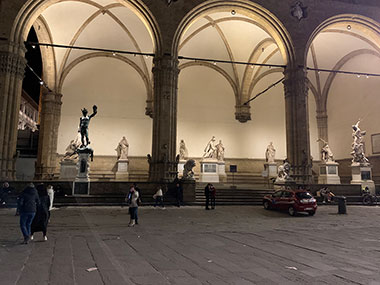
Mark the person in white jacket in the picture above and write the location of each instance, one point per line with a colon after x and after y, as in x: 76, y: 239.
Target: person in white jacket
x: 159, y: 197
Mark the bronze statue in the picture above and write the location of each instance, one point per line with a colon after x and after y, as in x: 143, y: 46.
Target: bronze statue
x: 84, y: 123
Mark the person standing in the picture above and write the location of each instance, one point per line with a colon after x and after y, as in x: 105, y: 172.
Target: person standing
x: 50, y: 192
x: 179, y: 194
x: 133, y: 197
x: 212, y: 196
x: 158, y: 197
x: 207, y: 194
x: 41, y: 219
x: 4, y: 193
x: 27, y: 207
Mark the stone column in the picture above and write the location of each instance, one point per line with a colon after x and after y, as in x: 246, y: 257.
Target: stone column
x: 163, y: 163
x: 12, y: 67
x: 297, y: 124
x: 47, y: 141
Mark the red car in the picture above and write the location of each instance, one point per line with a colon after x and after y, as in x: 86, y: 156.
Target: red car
x: 292, y: 201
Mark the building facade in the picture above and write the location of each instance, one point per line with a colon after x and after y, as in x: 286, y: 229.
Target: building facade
x: 198, y: 71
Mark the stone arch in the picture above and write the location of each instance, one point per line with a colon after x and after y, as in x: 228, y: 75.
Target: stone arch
x: 362, y: 22
x: 31, y: 11
x: 48, y: 54
x: 217, y: 69
x: 77, y: 61
x: 361, y: 30
x: 247, y: 12
x: 33, y: 8
x: 29, y: 14
x: 338, y: 66
x: 265, y: 18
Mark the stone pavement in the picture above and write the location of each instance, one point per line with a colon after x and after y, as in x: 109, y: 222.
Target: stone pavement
x: 188, y: 245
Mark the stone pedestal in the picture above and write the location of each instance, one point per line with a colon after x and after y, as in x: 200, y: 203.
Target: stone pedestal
x: 81, y: 184
x: 362, y: 174
x: 68, y: 170
x: 328, y: 173
x: 181, y: 165
x: 209, y: 171
x: 122, y: 169
x: 222, y: 171
x: 270, y: 169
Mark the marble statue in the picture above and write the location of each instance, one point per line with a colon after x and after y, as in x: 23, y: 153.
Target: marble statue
x: 327, y: 155
x: 270, y: 153
x: 182, y: 150
x: 220, y: 151
x: 358, y: 156
x: 210, y: 149
x: 84, y: 123
x: 122, y: 149
x: 188, y: 173
x: 71, y: 149
x: 284, y: 171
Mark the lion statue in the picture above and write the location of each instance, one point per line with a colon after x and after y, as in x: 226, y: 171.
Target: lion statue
x: 188, y: 173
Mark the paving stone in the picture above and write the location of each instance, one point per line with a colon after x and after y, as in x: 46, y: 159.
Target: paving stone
x: 232, y: 245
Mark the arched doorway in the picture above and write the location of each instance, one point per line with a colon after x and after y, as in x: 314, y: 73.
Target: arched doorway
x: 211, y: 95
x: 344, y: 43
x: 121, y: 85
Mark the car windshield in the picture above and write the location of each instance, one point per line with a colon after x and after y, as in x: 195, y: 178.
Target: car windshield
x: 303, y: 195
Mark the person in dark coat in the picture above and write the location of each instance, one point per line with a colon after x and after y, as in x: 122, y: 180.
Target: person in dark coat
x: 27, y: 207
x: 41, y: 219
x: 5, y: 191
x: 207, y: 194
x: 212, y: 196
x: 179, y: 194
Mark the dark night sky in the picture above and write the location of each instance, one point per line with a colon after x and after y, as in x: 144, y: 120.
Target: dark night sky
x: 33, y: 56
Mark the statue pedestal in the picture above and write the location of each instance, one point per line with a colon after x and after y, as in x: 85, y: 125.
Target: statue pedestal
x: 122, y: 169
x: 209, y: 170
x: 362, y: 174
x: 81, y: 184
x: 283, y: 184
x: 181, y: 165
x: 328, y: 173
x: 270, y: 169
x: 68, y: 170
x: 222, y: 171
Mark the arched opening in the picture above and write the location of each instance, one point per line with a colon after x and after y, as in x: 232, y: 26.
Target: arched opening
x: 120, y: 85
x: 28, y: 115
x: 344, y: 43
x: 211, y: 95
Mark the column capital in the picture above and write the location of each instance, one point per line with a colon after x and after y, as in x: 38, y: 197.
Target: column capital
x: 296, y: 81
x: 165, y: 62
x: 49, y: 96
x: 12, y: 63
x: 243, y: 113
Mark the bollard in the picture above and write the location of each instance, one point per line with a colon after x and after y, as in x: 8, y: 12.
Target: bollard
x: 342, y: 209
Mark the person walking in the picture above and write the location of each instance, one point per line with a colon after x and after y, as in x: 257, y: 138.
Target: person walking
x: 133, y: 197
x: 212, y: 196
x: 27, y: 207
x: 159, y: 197
x: 139, y: 201
x: 41, y: 219
x: 207, y: 194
